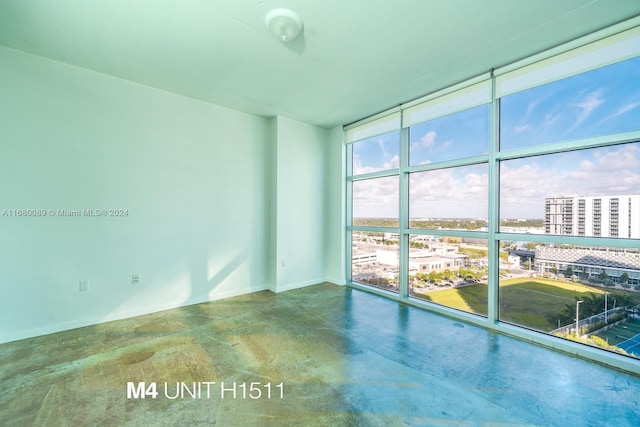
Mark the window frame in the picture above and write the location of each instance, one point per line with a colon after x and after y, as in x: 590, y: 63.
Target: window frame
x: 592, y: 46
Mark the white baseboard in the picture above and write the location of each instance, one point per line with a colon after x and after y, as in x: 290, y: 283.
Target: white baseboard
x: 291, y: 286
x: 127, y: 314
x: 123, y: 314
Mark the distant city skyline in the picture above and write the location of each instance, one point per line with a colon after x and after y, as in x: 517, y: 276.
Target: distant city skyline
x: 524, y: 185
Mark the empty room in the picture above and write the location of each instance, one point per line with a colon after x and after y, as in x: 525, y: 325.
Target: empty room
x: 305, y: 213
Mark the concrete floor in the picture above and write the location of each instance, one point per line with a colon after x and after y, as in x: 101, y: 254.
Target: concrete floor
x: 344, y: 357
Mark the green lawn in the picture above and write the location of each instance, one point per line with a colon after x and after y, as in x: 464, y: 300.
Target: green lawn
x: 533, y: 303
x: 472, y: 299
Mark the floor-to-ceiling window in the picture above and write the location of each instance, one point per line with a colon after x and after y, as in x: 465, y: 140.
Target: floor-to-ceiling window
x: 374, y: 193
x: 448, y: 193
x: 512, y: 199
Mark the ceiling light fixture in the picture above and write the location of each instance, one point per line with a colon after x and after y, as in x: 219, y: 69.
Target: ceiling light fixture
x: 285, y: 24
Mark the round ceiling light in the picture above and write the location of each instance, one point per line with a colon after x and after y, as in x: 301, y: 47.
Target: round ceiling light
x: 284, y: 24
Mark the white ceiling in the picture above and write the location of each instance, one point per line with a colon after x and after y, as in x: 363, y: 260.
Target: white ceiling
x: 356, y: 57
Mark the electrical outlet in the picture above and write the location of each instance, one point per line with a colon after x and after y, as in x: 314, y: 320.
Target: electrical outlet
x: 135, y: 279
x: 83, y: 286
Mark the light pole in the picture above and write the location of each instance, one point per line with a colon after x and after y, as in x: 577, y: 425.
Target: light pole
x: 606, y: 307
x: 578, y: 318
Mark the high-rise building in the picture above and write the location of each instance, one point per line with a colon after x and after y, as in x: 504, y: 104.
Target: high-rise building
x: 593, y: 216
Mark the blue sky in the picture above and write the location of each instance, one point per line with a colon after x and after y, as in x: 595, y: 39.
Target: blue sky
x: 377, y: 153
x: 462, y: 134
x: 598, y: 102
x: 595, y: 103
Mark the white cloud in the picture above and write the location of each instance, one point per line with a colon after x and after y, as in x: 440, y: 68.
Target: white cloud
x: 450, y: 193
x: 381, y: 144
x: 550, y: 119
x: 531, y: 106
x: 609, y: 172
x: 587, y: 165
x: 627, y: 107
x: 620, y: 111
x: 588, y: 104
x: 524, y: 184
x: 429, y: 139
x: 624, y: 158
x: 522, y: 128
x: 357, y: 165
x: 394, y: 163
x: 429, y: 142
x: 376, y: 198
x: 523, y: 187
x: 359, y: 169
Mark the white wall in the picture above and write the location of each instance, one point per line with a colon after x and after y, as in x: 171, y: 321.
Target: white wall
x: 300, y: 209
x: 334, y: 247
x: 219, y: 202
x: 193, y: 177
